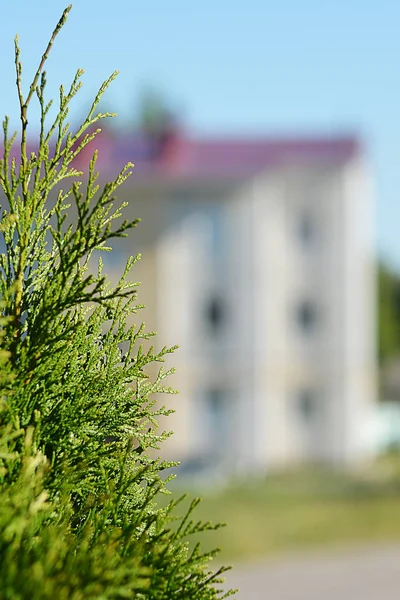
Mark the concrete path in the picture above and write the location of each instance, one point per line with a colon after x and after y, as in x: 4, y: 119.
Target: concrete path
x: 359, y: 574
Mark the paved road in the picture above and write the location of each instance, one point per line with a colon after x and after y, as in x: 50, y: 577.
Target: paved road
x: 358, y: 574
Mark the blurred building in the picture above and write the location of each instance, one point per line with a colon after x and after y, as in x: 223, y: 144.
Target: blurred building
x: 258, y: 260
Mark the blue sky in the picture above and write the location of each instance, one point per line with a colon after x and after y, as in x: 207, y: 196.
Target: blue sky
x: 254, y: 67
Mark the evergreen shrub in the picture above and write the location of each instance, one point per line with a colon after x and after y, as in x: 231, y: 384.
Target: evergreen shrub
x: 80, y: 483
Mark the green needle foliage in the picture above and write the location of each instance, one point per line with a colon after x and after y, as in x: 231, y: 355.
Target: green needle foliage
x: 79, y: 475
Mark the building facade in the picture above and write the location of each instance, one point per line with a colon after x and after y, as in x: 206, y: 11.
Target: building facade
x: 258, y: 260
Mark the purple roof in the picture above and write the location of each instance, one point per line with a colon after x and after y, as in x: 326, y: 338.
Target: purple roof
x: 185, y: 158
x: 247, y: 157
x: 176, y: 157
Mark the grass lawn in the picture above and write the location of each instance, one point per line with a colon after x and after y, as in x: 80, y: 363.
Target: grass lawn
x: 303, y: 510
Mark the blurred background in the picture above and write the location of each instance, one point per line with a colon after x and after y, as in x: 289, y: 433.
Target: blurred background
x: 265, y: 138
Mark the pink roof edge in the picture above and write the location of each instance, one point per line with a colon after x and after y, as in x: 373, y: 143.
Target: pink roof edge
x: 183, y: 157
x: 175, y: 156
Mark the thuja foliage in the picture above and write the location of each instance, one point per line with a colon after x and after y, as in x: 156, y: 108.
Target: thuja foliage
x: 79, y: 477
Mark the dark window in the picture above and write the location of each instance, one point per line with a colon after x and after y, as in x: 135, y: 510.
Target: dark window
x: 306, y: 404
x: 215, y: 401
x: 215, y: 314
x: 217, y: 412
x: 306, y: 228
x: 306, y: 316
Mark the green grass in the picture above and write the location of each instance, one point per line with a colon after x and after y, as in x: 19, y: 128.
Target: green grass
x: 304, y: 510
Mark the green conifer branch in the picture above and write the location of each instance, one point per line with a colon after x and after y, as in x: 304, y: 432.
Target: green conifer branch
x: 80, y: 471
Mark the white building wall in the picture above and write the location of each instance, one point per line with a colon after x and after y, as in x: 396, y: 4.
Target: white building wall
x: 335, y: 362
x: 208, y: 367
x: 359, y: 331
x: 309, y: 192
x: 241, y: 290
x: 269, y: 318
x: 180, y: 265
x: 263, y: 363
